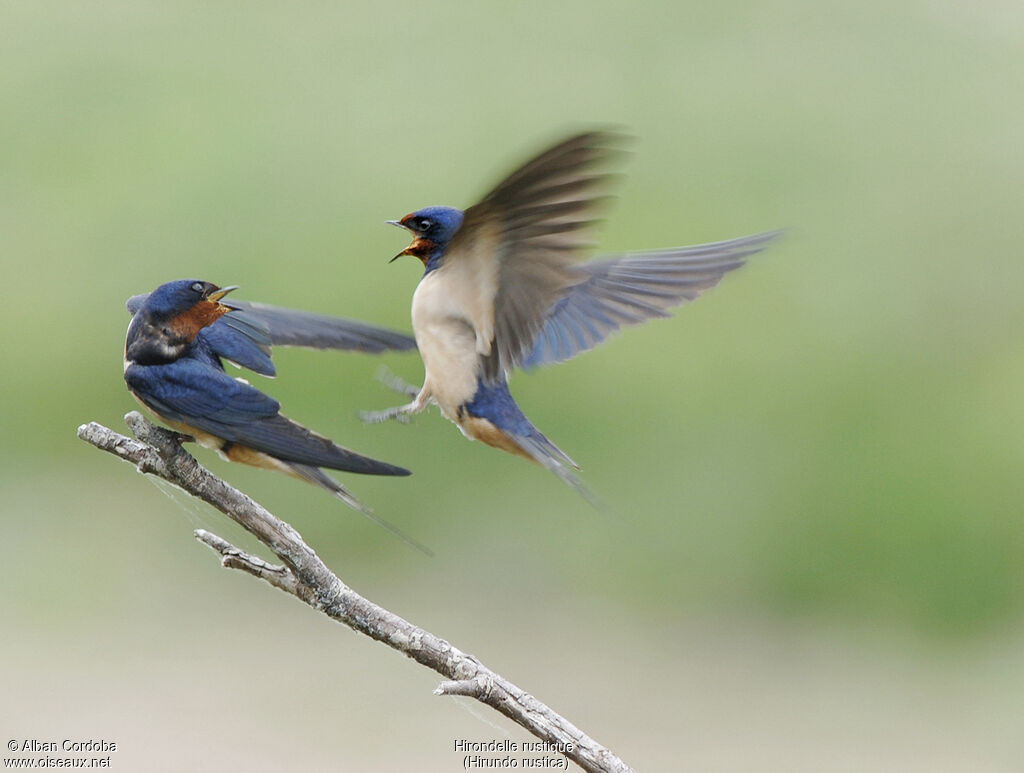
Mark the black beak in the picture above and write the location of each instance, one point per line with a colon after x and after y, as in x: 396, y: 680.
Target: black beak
x: 400, y: 225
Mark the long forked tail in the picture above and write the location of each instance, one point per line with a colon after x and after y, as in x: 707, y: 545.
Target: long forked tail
x: 290, y: 442
x: 493, y: 417
x: 320, y: 478
x: 551, y: 457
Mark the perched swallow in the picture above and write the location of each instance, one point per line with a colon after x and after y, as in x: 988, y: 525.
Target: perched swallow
x: 503, y: 289
x: 177, y: 339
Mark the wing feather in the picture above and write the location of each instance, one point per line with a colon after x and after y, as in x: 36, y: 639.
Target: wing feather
x: 291, y: 327
x: 197, y: 394
x: 534, y: 224
x: 633, y: 288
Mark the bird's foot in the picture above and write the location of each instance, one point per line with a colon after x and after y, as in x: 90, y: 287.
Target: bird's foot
x: 396, y: 383
x: 400, y: 414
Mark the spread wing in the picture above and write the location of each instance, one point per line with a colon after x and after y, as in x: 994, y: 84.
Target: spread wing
x: 291, y: 327
x: 522, y: 240
x: 633, y: 288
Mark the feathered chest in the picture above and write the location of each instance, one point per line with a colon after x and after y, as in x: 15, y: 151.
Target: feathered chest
x: 456, y: 296
x: 453, y: 319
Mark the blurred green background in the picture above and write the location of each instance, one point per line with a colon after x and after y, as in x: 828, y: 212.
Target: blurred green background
x: 814, y: 558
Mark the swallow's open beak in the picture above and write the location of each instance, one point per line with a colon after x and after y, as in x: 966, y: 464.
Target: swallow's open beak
x: 216, y: 295
x: 400, y: 224
x: 403, y: 252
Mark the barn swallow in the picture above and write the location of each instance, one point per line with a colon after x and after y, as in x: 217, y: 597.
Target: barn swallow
x: 177, y: 339
x: 502, y: 289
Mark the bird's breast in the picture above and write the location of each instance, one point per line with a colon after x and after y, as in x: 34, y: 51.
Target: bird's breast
x: 445, y: 321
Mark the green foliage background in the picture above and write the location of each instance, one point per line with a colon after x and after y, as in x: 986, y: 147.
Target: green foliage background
x: 828, y: 442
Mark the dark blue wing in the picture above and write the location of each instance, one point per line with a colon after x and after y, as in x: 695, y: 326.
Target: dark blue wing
x: 238, y: 336
x: 243, y: 340
x: 196, y: 393
x: 633, y: 288
x: 199, y: 394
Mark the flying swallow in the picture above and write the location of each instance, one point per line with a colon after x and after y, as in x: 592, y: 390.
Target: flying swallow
x: 177, y: 339
x: 503, y: 288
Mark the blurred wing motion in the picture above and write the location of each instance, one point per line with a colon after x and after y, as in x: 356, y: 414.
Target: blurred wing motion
x: 291, y: 327
x: 524, y: 237
x: 631, y: 289
x: 503, y: 288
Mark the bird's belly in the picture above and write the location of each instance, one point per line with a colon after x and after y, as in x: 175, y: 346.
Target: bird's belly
x: 447, y: 344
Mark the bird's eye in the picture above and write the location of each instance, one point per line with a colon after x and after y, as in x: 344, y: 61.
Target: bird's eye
x: 424, y: 224
x: 198, y: 287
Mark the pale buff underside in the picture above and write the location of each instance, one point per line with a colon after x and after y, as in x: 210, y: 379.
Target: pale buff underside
x: 453, y: 320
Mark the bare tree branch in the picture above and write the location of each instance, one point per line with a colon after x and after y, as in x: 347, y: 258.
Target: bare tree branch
x: 159, y: 452
x: 233, y: 558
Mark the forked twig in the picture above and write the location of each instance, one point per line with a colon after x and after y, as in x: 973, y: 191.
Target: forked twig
x: 302, y: 574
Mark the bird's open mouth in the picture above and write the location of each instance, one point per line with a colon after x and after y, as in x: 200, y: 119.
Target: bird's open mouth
x: 420, y: 248
x: 216, y: 295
